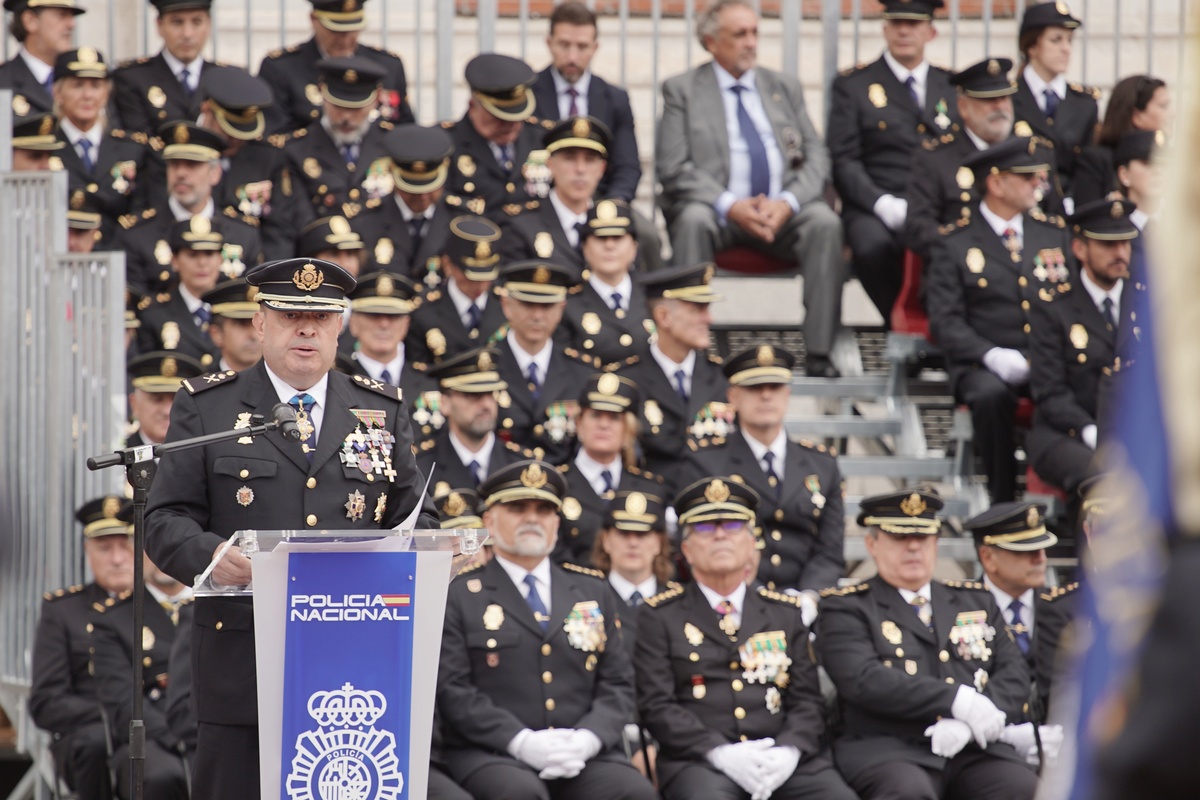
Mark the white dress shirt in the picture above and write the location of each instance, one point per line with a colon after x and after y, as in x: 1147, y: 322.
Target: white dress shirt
x: 567, y: 218
x: 40, y: 69
x: 737, y: 597
x: 625, y: 587
x: 483, y: 458
x: 1038, y: 87
x: 920, y: 75
x: 524, y: 359
x: 1097, y: 294
x: 181, y: 214
x: 564, y: 100
x: 592, y: 470
x: 778, y: 448
x: 999, y: 224
x: 177, y: 66
x: 669, y: 367
x: 74, y: 135
x: 924, y: 591
x: 317, y: 391
x: 462, y: 302
x: 540, y: 573
x: 191, y: 300
x: 625, y: 287
x: 375, y: 368
x: 407, y: 213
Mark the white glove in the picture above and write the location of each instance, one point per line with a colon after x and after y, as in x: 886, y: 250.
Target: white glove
x: 569, y: 760
x: 1007, y: 364
x: 978, y: 711
x: 740, y: 763
x: 891, y: 211
x: 1022, y: 740
x: 1088, y: 434
x: 808, y: 608
x: 539, y: 749
x: 949, y: 737
x: 776, y: 765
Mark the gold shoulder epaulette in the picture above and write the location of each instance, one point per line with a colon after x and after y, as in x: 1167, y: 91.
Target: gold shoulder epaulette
x: 1038, y: 214
x: 386, y: 125
x: 127, y: 221
x: 299, y: 133
x: 778, y: 597
x: 277, y: 140
x: 595, y: 573
x: 1059, y: 592
x: 836, y: 591
x: 379, y: 387
x: 149, y: 213
x: 118, y: 133
x: 59, y: 593
x: 427, y: 445
x: 469, y: 568
x: 197, y: 385
x: 561, y: 467
x: 716, y: 360
x: 433, y: 296
x: 947, y: 228
x: 974, y: 585
x: 672, y: 591
x: 1057, y: 220
x: 547, y: 124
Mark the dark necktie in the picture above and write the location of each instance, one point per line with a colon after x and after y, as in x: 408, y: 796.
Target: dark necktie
x: 386, y: 375
x: 506, y: 158
x: 416, y: 230
x: 1019, y: 631
x: 911, y: 83
x: 85, y: 154
x: 474, y: 314
x: 1051, y: 102
x: 1106, y: 308
x: 760, y: 169
x: 635, y: 599
x: 303, y: 403
x: 681, y: 384
x: 48, y: 84
x: 475, y: 470
x: 185, y: 81
x: 573, y: 108
x: 616, y: 301
x: 535, y: 603
x: 921, y: 607
x: 606, y: 476
x: 203, y: 315
x: 348, y: 153
x: 772, y: 477
x: 535, y: 385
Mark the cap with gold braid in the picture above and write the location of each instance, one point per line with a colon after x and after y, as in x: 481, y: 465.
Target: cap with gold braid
x: 196, y: 233
x: 35, y: 132
x: 340, y: 16
x: 85, y: 62
x: 1020, y: 527
x: 1092, y: 491
x: 690, y: 283
x: 535, y: 281
x: 903, y: 512
x: 916, y: 10
x: 459, y: 508
x: 1021, y: 155
x: 233, y: 299
x: 17, y: 6
x: 133, y: 303
x: 388, y: 293
x: 350, y: 82
x: 636, y: 512
x: 83, y: 212
x: 612, y: 217
x: 502, y: 85
x: 524, y: 480
x: 1104, y: 220
x: 759, y: 365
x: 1048, y: 14
x: 162, y: 371
x: 472, y: 247
x: 986, y: 79
x: 187, y: 141
x: 105, y: 516
x: 327, y: 233
x: 302, y: 284
x: 716, y: 498
x: 237, y: 99
x: 470, y: 372
x: 420, y: 157
x: 606, y: 391
x: 587, y: 133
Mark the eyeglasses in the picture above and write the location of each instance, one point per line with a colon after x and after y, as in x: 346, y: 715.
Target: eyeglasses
x: 708, y: 529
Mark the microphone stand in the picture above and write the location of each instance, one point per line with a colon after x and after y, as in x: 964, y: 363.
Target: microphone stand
x: 140, y: 468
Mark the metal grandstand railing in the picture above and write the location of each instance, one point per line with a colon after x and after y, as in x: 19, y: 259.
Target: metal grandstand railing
x: 62, y: 386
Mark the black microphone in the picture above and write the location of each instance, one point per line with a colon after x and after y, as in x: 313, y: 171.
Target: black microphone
x: 284, y: 417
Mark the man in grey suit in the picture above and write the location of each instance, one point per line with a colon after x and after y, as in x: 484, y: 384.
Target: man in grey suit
x: 741, y: 164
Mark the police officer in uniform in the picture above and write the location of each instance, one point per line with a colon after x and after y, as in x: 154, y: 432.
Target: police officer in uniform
x: 1011, y: 540
x: 30, y: 72
x: 34, y: 143
x: 330, y: 161
x: 83, y: 224
x: 1045, y: 104
x: 679, y: 382
x: 799, y: 484
x: 460, y: 421
x: 601, y: 466
x: 150, y: 91
x: 492, y: 169
x: 380, y: 309
x: 193, y: 158
x: 154, y: 380
x: 406, y: 230
x: 254, y: 181
x: 880, y: 115
x: 926, y: 675
x: 233, y: 305
x: 178, y: 319
x: 292, y: 72
x: 577, y: 149
x: 203, y: 495
x: 983, y: 280
x: 465, y: 313
x: 534, y: 684
x: 725, y: 679
x: 542, y: 375
x: 1073, y: 345
x: 63, y: 699
x: 116, y: 170
x: 607, y: 318
x: 332, y: 239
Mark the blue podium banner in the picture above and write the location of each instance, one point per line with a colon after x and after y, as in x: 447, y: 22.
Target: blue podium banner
x: 347, y: 676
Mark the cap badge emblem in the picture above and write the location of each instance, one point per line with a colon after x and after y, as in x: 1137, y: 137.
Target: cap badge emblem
x: 483, y: 250
x: 766, y: 355
x: 533, y: 476
x: 455, y: 505
x: 1117, y: 210
x: 608, y: 383
x: 606, y: 210
x: 351, y: 76
x: 339, y: 225
x: 1031, y: 518
x: 709, y: 271
x: 201, y: 225
x: 170, y: 368
x: 87, y: 55
x: 541, y: 275
x: 581, y: 129
x: 384, y: 286
x: 913, y: 505
x: 308, y: 278
x: 182, y: 135
x: 111, y: 506
x: 485, y: 361
x: 716, y: 492
x: 635, y: 503
x: 993, y: 67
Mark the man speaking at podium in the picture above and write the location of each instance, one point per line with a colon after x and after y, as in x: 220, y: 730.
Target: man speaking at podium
x: 201, y: 496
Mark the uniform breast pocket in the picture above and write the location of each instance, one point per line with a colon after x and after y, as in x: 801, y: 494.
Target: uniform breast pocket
x: 488, y: 647
x: 245, y: 469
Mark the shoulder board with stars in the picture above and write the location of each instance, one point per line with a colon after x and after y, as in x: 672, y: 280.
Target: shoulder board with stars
x: 386, y: 125
x: 118, y: 133
x: 1059, y: 592
x: 149, y: 213
x: 820, y: 448
x: 972, y: 585
x: 58, y: 594
x: 572, y: 353
x: 673, y: 592
x: 716, y: 360
x: 778, y: 597
x: 595, y: 573
x: 198, y: 385
x: 1086, y: 91
x: 379, y: 387
x: 469, y: 568
x: 128, y: 220
x: 278, y: 140
x: 851, y: 70
x: 836, y: 591
x: 641, y: 473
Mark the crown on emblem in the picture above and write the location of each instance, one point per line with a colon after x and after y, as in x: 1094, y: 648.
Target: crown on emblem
x: 346, y: 707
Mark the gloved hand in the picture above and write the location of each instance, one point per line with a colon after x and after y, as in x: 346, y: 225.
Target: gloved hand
x: 1022, y: 740
x: 539, y: 749
x: 740, y: 763
x: 1088, y: 434
x: 986, y: 721
x: 949, y: 737
x: 776, y: 765
x: 568, y: 761
x: 1008, y: 365
x: 891, y: 211
x: 808, y: 606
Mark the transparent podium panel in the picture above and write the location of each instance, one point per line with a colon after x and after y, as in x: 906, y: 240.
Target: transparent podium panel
x: 463, y: 544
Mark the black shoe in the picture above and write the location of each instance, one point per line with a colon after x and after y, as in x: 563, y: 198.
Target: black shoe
x: 820, y: 367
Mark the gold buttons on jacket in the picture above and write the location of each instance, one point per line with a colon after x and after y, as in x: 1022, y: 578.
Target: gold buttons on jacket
x: 549, y: 703
x: 547, y: 677
x: 244, y: 473
x: 943, y: 656
x: 311, y: 519
x: 491, y: 643
x: 738, y: 685
x: 219, y: 625
x: 545, y: 649
x: 311, y: 483
x: 739, y: 712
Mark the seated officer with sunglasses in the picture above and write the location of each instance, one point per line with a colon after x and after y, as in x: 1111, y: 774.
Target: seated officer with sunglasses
x: 725, y: 681
x: 926, y: 674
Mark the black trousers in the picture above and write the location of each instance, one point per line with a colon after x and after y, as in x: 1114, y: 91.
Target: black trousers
x: 702, y: 782
x: 442, y: 787
x: 163, y: 773
x: 993, y: 404
x: 82, y: 760
x: 226, y: 765
x: 974, y: 776
x: 878, y: 259
x: 600, y: 780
